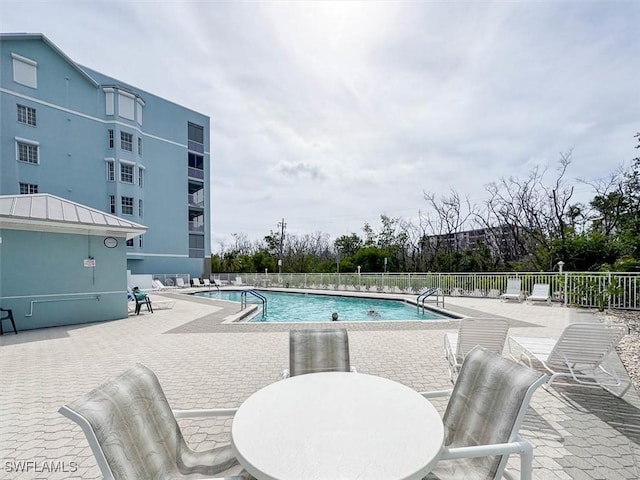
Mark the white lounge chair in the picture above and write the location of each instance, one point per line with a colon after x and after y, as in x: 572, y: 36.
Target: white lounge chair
x: 489, y: 333
x: 133, y: 432
x: 180, y: 282
x: 540, y: 293
x: 578, y: 354
x: 237, y: 281
x: 484, y: 414
x: 514, y: 290
x: 158, y: 285
x: 206, y: 282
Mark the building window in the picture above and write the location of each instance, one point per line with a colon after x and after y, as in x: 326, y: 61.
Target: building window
x: 140, y: 146
x: 139, y: 105
x: 25, y: 71
x: 126, y: 105
x: 195, y: 137
x: 196, y: 161
x: 140, y: 177
x: 109, y: 101
x: 126, y: 141
x: 27, y: 115
x: 196, y: 166
x: 27, y: 188
x: 110, y: 138
x: 126, y: 205
x: 130, y: 242
x: 140, y: 211
x: 196, y: 246
x: 126, y: 173
x: 112, y: 204
x: 27, y: 152
x: 111, y: 171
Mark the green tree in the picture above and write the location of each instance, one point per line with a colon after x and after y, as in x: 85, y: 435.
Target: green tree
x: 348, y: 245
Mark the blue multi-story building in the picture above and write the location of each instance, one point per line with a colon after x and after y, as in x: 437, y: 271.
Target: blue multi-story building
x: 70, y: 131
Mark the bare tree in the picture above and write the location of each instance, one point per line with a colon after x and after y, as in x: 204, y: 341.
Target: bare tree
x: 532, y: 213
x: 452, y: 216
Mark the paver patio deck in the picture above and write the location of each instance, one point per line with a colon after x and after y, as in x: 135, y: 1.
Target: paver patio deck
x: 579, y: 433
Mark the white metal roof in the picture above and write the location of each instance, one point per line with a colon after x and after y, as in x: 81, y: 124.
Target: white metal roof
x: 48, y: 213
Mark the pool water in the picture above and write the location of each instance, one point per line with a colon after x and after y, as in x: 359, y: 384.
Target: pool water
x: 306, y: 307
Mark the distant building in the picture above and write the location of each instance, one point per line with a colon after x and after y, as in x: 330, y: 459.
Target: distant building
x: 78, y: 134
x: 497, y: 239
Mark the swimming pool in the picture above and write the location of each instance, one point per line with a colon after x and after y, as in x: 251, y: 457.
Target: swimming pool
x: 307, y: 307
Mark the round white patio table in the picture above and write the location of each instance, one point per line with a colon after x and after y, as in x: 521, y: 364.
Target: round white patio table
x: 335, y: 426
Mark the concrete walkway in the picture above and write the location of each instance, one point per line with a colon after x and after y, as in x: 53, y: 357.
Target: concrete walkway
x: 579, y: 433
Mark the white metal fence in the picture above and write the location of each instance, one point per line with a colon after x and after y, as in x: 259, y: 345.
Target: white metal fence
x: 584, y: 289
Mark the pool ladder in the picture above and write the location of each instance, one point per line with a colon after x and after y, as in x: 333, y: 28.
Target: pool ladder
x: 243, y: 300
x: 428, y: 293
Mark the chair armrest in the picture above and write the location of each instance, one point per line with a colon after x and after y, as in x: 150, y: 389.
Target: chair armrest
x: 436, y: 393
x: 211, y: 412
x: 517, y: 446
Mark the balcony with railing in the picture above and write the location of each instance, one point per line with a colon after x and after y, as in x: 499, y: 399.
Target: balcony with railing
x: 196, y: 227
x: 196, y: 199
x: 194, y: 172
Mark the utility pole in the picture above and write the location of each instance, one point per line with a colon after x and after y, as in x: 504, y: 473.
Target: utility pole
x: 282, y: 226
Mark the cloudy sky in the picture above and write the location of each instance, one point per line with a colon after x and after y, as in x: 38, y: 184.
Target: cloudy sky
x: 330, y: 114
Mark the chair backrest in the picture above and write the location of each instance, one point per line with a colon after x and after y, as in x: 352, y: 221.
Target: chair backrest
x: 586, y: 344
x: 180, y: 282
x: 514, y: 285
x: 130, y: 427
x: 490, y: 333
x: 541, y: 290
x: 487, y: 406
x: 318, y: 350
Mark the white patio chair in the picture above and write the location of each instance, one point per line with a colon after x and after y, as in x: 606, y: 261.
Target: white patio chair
x: 579, y: 353
x: 489, y: 333
x: 134, y: 435
x: 514, y: 292
x: 482, y: 419
x: 540, y: 293
x: 206, y: 282
x: 180, y: 282
x: 318, y: 350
